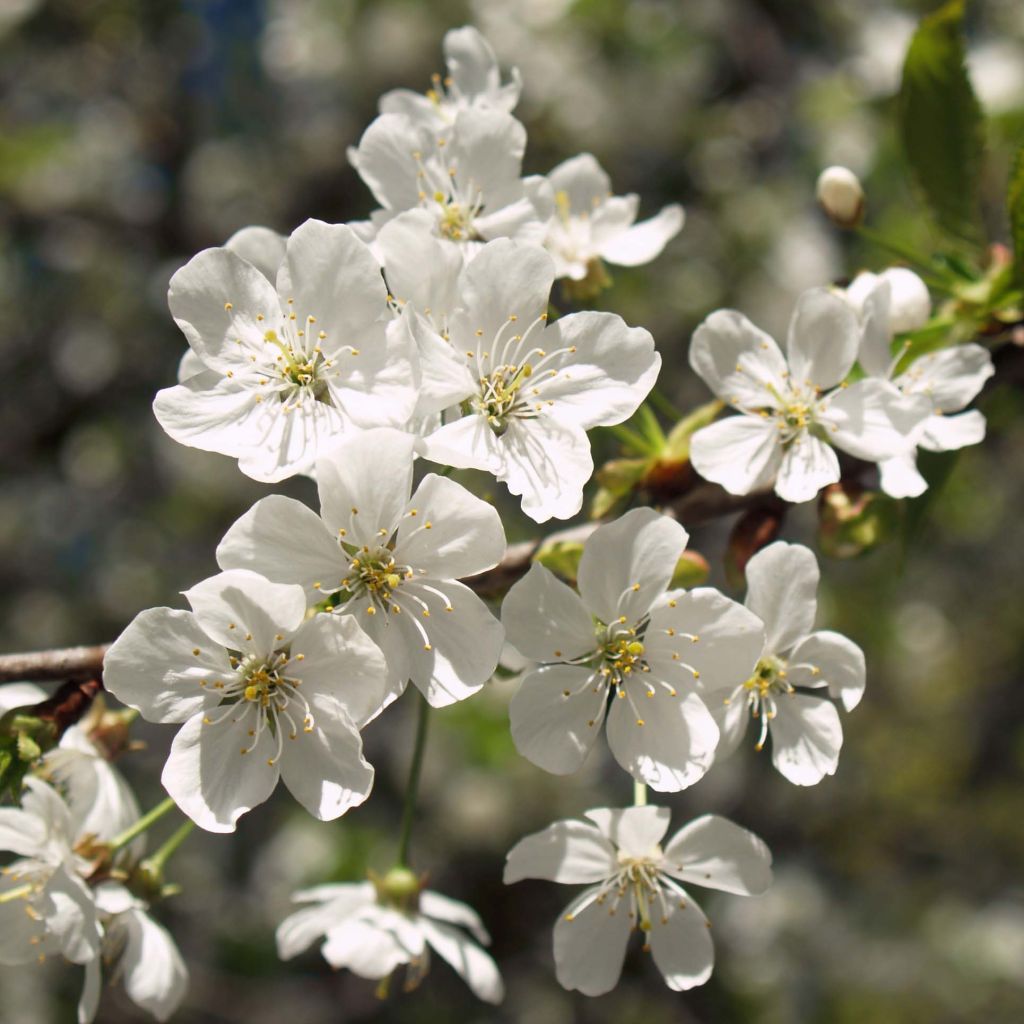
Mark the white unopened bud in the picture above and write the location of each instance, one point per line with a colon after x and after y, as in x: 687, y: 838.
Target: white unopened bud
x: 910, y: 305
x: 841, y: 196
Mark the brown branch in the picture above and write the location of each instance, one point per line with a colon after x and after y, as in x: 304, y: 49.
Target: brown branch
x: 48, y: 666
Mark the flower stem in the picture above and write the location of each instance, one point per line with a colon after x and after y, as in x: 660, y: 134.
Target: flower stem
x: 409, y: 810
x: 639, y: 794
x: 141, y: 825
x: 163, y: 855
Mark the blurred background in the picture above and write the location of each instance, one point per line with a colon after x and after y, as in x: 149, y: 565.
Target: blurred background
x: 133, y: 135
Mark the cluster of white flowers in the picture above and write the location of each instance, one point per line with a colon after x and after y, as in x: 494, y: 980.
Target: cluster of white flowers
x: 835, y: 387
x: 59, y: 897
x: 355, y: 353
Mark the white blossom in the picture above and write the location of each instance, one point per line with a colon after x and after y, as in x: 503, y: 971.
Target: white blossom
x: 139, y: 952
x: 786, y: 693
x: 392, y: 558
x: 634, y: 885
x: 628, y: 649
x: 473, y: 81
x: 794, y: 407
x: 288, y: 367
x: 467, y: 176
x: 531, y: 390
x: 262, y: 693
x: 944, y: 382
x: 45, y: 907
x: 372, y: 935
x: 841, y: 196
x: 590, y: 224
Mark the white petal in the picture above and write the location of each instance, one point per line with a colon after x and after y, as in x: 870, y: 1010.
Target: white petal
x: 43, y: 803
x: 22, y: 833
x: 473, y: 965
x: 681, y: 945
x: 505, y: 279
x: 713, y: 852
x: 451, y: 653
x: 875, y: 354
x: 210, y: 778
x: 213, y: 415
x: 635, y: 831
x: 628, y: 563
x: 153, y: 665
x: 546, y: 462
x: 324, y: 769
x: 569, y: 851
x: 89, y: 1001
x: 367, y: 947
x: 731, y: 713
x: 452, y: 534
x: 590, y: 945
x: 583, y: 180
x: 782, y: 589
x: 331, y: 275
x: 544, y: 618
x: 245, y: 611
x: 873, y: 420
x: 155, y: 976
x: 738, y: 361
x: 18, y: 695
x: 704, y: 632
x: 339, y: 666
x: 839, y: 663
x: 444, y: 380
x: 216, y: 298
x: 553, y: 730
x: 950, y: 433
x: 364, y: 485
x: 385, y: 160
x: 487, y: 147
x: 443, y: 908
x: 297, y: 932
x: 644, y: 241
x: 466, y: 443
x: 283, y: 540
x: 70, y: 918
x: 899, y: 477
x: 742, y: 453
x: 806, y: 737
x: 262, y: 247
x: 807, y: 465
x: 606, y: 371
x: 669, y: 750
x: 420, y: 268
x: 823, y: 338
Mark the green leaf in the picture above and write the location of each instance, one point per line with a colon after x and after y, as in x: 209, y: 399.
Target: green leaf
x: 941, y: 122
x: 1015, y: 205
x: 562, y: 557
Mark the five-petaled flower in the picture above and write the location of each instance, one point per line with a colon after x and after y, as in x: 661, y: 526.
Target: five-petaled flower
x: 262, y: 692
x: 797, y: 663
x: 626, y: 649
x: 790, y: 418
x: 634, y: 885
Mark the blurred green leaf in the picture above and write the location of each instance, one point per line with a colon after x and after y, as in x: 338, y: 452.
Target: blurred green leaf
x: 941, y: 122
x: 561, y: 557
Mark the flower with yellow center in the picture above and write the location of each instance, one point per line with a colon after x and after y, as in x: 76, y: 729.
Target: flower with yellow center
x: 634, y: 886
x: 262, y: 692
x: 627, y: 651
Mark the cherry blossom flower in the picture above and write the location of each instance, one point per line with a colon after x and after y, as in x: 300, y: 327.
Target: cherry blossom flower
x: 634, y: 885
x: 785, y: 692
x: 945, y: 382
x: 473, y: 82
x: 45, y: 907
x: 138, y: 951
x: 590, y: 224
x: 790, y: 418
x: 391, y: 558
x: 372, y: 928
x: 625, y: 636
x: 467, y: 177
x: 533, y: 389
x: 287, y: 367
x: 262, y: 693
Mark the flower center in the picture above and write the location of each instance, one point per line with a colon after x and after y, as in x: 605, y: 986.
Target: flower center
x: 500, y: 397
x: 376, y: 576
x: 300, y: 370
x: 766, y: 684
x: 455, y: 220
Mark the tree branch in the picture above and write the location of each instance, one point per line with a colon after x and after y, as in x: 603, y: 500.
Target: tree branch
x: 50, y: 666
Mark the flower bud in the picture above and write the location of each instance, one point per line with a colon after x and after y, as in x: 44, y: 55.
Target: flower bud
x: 399, y: 886
x: 910, y: 305
x: 841, y: 196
